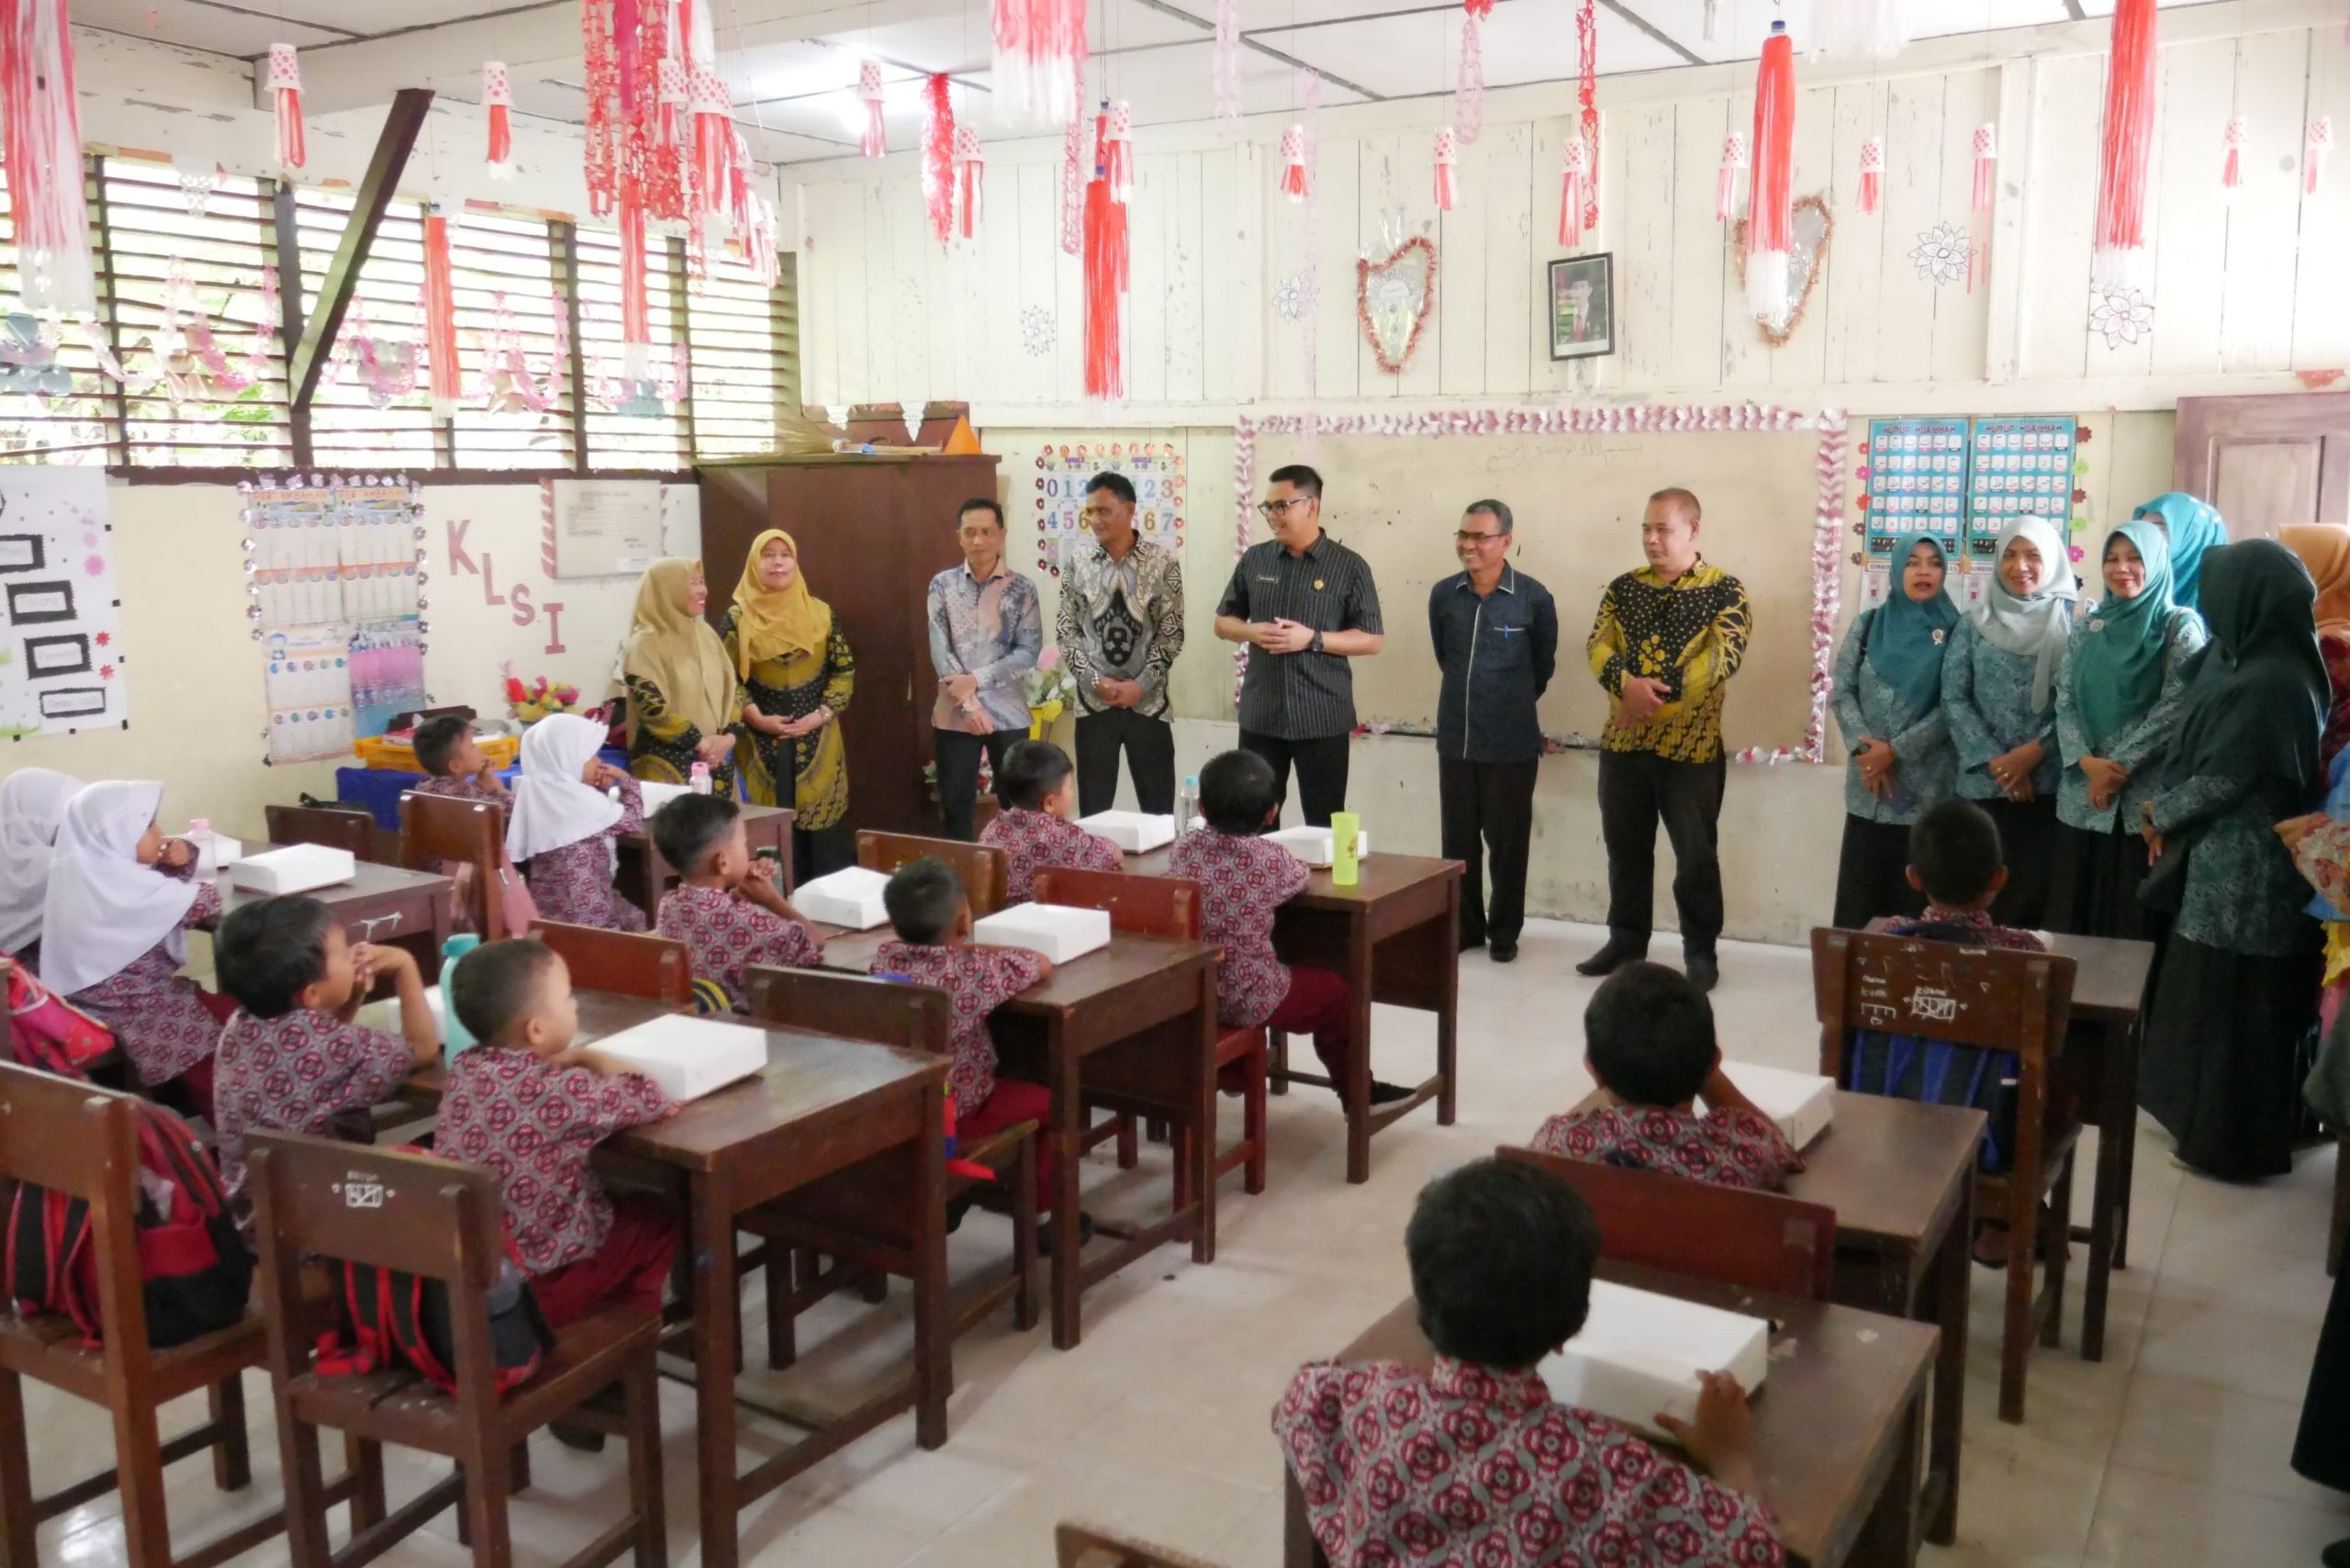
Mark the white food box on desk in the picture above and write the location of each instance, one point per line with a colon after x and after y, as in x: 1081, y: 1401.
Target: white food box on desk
x: 1639, y: 1354
x: 1312, y: 845
x: 656, y: 796
x: 1803, y: 1104
x: 688, y: 1056
x: 214, y: 851
x: 1137, y: 833
x: 1058, y: 931
x: 296, y: 868
x: 850, y: 898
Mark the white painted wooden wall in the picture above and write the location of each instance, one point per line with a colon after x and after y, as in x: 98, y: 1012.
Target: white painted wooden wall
x: 2246, y: 290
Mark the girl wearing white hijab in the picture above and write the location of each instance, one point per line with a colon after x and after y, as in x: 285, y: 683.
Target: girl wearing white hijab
x: 1999, y: 691
x: 114, y: 934
x: 564, y: 823
x: 32, y: 803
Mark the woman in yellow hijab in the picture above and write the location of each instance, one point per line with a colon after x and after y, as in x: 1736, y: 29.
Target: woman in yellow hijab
x: 684, y: 702
x: 799, y: 675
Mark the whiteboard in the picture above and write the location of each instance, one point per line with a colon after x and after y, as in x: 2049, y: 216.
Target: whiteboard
x: 605, y: 528
x: 1577, y: 499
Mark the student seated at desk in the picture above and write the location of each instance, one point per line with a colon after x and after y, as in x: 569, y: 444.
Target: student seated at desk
x: 1955, y: 860
x: 1243, y: 879
x: 725, y: 907
x: 1648, y: 1041
x: 1032, y: 830
x: 292, y: 1059
x: 1471, y: 1460
x: 456, y: 765
x: 32, y: 805
x: 114, y: 934
x: 564, y: 823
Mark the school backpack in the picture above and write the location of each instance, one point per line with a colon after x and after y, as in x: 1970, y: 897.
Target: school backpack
x: 47, y: 1033
x: 1936, y: 1073
x: 196, y: 1273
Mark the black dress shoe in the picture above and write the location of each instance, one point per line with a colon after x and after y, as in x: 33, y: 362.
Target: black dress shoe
x: 1610, y: 958
x: 1383, y: 1094
x: 1704, y: 972
x: 2338, y: 1555
x: 1503, y: 952
x: 1471, y: 944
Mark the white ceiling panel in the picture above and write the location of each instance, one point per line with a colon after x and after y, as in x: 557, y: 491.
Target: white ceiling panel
x: 195, y: 26
x: 1413, y: 55
x: 1165, y: 85
x: 386, y: 16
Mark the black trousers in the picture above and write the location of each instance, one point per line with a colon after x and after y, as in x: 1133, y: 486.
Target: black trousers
x: 1636, y: 790
x: 1492, y: 801
x: 819, y: 852
x: 959, y: 771
x: 1321, y: 770
x: 1149, y: 746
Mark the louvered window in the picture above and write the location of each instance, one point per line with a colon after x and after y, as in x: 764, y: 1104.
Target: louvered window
x: 642, y: 431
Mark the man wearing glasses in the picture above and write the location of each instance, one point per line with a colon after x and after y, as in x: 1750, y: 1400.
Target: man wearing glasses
x: 1120, y: 626
x: 1496, y: 635
x: 1305, y: 604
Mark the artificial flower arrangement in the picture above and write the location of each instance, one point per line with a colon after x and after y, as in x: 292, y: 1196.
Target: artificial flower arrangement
x: 1050, y: 689
x: 531, y: 701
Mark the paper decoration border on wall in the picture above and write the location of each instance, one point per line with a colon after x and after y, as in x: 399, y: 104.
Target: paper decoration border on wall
x: 1828, y: 521
x: 1154, y: 468
x: 60, y: 620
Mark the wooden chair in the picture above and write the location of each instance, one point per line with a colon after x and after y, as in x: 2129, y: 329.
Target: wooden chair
x: 72, y: 1138
x: 1087, y: 1546
x: 1764, y: 1241
x: 626, y: 963
x: 353, y: 830
x: 467, y: 834
x: 981, y: 869
x: 440, y: 1220
x: 1168, y: 906
x: 1946, y: 992
x: 844, y: 1218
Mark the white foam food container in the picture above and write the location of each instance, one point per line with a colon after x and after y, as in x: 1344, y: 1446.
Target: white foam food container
x: 296, y: 868
x: 214, y: 851
x: 656, y: 796
x: 688, y: 1056
x: 1137, y: 833
x: 1639, y: 1354
x: 1803, y: 1104
x: 1058, y: 931
x: 1312, y: 845
x: 850, y: 898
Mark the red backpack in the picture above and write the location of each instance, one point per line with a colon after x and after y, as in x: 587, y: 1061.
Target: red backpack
x: 46, y: 1031
x: 196, y: 1271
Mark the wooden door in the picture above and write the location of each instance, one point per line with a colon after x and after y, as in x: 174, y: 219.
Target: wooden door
x: 2267, y: 460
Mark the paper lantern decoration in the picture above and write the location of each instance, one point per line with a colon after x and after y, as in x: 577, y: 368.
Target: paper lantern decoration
x: 40, y: 141
x: 2120, y: 233
x: 1770, y: 229
x: 1226, y: 66
x: 1979, y: 204
x: 497, y: 97
x: 1872, y: 175
x: 1038, y: 76
x: 285, y: 81
x: 2232, y: 154
x: 1448, y: 153
x: 1733, y: 165
x: 1469, y: 94
x: 1120, y: 136
x: 974, y: 170
x: 2314, y: 153
x: 938, y: 155
x: 876, y: 144
x: 715, y: 171
x: 1293, y: 162
x: 1571, y: 192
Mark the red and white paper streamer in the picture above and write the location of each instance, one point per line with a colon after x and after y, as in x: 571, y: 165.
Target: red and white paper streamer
x: 2232, y: 154
x: 1979, y: 203
x: 1293, y: 162
x: 1573, y: 190
x: 285, y: 81
x: 876, y: 144
x: 1469, y: 94
x: 41, y: 142
x: 1448, y: 153
x: 2314, y: 153
x: 1588, y: 98
x: 1872, y: 173
x: 497, y: 96
x: 1227, y: 66
x: 938, y: 156
x: 1038, y: 77
x: 2121, y: 232
x: 1770, y: 204
x: 973, y: 170
x: 1120, y: 136
x: 1733, y: 165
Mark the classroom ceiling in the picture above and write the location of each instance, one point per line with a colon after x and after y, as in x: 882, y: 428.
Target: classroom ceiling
x: 792, y: 63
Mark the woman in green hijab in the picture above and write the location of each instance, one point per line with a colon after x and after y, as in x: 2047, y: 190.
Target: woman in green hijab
x: 2118, y: 703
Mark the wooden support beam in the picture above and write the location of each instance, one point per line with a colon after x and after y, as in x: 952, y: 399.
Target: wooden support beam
x: 398, y: 139
x: 289, y: 307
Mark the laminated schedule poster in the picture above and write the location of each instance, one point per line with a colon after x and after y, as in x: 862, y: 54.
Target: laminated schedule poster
x: 61, y: 655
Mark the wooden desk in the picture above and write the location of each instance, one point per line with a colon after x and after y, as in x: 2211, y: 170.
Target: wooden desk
x: 643, y: 876
x: 1838, y: 1427
x: 1135, y: 1021
x: 380, y: 904
x: 1395, y: 935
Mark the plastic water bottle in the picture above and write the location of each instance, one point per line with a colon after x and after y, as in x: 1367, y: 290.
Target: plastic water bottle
x: 1187, y: 804
x: 700, y: 779
x: 455, y: 1035
x: 1345, y: 827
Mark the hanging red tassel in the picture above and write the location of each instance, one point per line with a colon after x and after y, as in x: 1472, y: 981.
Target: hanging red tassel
x: 285, y: 84
x: 1469, y: 94
x: 714, y: 173
x: 1293, y: 162
x: 2129, y: 140
x: 1733, y: 165
x: 1978, y: 206
x: 1447, y: 152
x: 1587, y: 96
x: 1038, y: 79
x: 974, y: 172
x: 2315, y: 151
x: 636, y: 317
x: 1872, y: 173
x: 1571, y: 192
x: 2232, y: 154
x: 877, y: 131
x: 1769, y: 227
x: 1121, y: 137
x: 441, y: 315
x: 497, y: 96
x: 938, y: 155
x: 41, y: 143
x: 1106, y: 274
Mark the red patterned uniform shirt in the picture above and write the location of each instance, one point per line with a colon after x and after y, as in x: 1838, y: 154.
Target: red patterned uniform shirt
x: 535, y: 1125
x: 304, y: 1071
x: 156, y: 1013
x: 1034, y: 840
x: 1969, y: 925
x: 463, y: 786
x: 1242, y: 881
x: 573, y: 884
x: 977, y: 980
x: 1729, y: 1146
x: 725, y: 933
x: 1463, y: 1466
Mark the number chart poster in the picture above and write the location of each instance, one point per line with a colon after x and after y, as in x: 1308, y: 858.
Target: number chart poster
x: 61, y: 632
x: 1153, y: 467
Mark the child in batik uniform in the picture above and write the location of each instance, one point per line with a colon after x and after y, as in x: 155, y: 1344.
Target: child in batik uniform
x: 1032, y: 829
x: 564, y: 822
x: 1955, y: 859
x: 455, y: 764
x: 725, y: 907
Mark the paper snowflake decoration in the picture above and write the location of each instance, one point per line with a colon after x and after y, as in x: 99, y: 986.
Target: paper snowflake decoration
x: 1941, y: 254
x: 1037, y: 330
x: 1288, y: 298
x: 2123, y: 315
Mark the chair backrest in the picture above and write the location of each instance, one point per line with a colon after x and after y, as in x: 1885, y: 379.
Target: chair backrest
x: 1764, y: 1241
x: 1946, y: 992
x: 626, y: 963
x: 353, y: 830
x: 1146, y: 906
x: 437, y: 828
x: 84, y: 1141
x: 1086, y: 1546
x: 982, y: 868
x: 856, y: 1007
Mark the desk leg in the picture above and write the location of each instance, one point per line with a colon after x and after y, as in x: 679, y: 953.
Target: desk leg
x: 1447, y: 1014
x: 1953, y: 1285
x: 934, y: 1335
x: 1204, y: 1097
x: 2124, y: 1044
x: 715, y: 1314
x: 1355, y: 1094
x: 1068, y: 1275
x: 2117, y: 1142
x: 1888, y: 1537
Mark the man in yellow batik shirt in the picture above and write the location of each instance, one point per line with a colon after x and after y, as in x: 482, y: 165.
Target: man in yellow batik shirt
x: 1666, y: 642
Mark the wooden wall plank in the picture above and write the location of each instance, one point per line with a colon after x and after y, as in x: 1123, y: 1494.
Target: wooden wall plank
x: 1068, y: 301
x: 1156, y: 195
x: 1802, y: 361
x: 1460, y: 237
x: 821, y: 297
x: 2321, y: 314
x: 1187, y: 331
x: 855, y: 293
x: 1914, y: 207
x: 1700, y: 255
x: 2199, y: 92
x: 1036, y: 244
x: 2263, y: 221
x: 1342, y: 233
x: 1970, y: 98
x: 1511, y: 266
x: 1639, y: 214
x: 1857, y: 255
x: 2068, y: 103
x: 909, y: 316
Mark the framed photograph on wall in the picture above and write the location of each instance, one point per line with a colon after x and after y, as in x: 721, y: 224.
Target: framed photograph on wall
x: 1583, y: 306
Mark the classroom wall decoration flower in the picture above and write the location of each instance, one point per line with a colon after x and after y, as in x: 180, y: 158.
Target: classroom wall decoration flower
x: 2123, y: 315
x: 1037, y: 330
x: 1941, y: 254
x: 1288, y: 298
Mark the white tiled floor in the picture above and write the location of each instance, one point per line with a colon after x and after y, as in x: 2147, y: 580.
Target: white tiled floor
x: 2173, y: 1452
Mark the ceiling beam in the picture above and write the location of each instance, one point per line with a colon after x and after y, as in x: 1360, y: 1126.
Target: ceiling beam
x: 402, y: 124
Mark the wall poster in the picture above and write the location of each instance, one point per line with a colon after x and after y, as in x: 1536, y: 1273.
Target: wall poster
x: 60, y: 660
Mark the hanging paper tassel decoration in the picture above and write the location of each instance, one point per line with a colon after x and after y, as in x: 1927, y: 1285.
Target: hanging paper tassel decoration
x: 1872, y: 173
x: 636, y: 318
x: 1074, y: 173
x: 40, y: 141
x: 1120, y: 137
x: 938, y: 156
x: 1227, y: 66
x: 1769, y: 227
x: 1571, y: 192
x: 2232, y: 154
x: 868, y: 87
x: 1733, y: 165
x: 285, y: 85
x: 1713, y: 19
x: 2120, y: 234
x: 497, y: 96
x: 759, y: 242
x: 1447, y: 152
x: 974, y: 171
x: 1469, y: 94
x: 1039, y: 57
x: 715, y: 173
x: 2315, y: 151
x: 1293, y: 162
x: 1862, y: 32
x: 600, y: 134
x: 1105, y: 273
x: 1978, y: 205
x: 441, y: 317
x: 1587, y: 97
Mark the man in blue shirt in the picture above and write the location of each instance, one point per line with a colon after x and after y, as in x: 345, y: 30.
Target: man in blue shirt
x: 986, y: 632
x: 1496, y: 637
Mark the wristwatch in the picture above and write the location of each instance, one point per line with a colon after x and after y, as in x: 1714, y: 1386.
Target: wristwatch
x: 1316, y: 644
